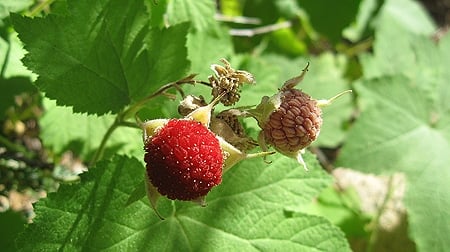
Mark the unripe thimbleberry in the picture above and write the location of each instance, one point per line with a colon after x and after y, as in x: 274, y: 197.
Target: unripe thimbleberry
x: 290, y: 120
x: 295, y: 124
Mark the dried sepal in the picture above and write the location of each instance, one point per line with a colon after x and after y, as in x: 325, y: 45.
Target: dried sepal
x: 190, y: 103
x: 228, y: 81
x: 227, y: 125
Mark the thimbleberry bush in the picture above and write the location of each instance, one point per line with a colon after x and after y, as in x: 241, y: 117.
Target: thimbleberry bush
x: 216, y: 125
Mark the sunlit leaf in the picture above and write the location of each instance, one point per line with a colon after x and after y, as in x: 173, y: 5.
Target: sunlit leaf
x: 250, y: 211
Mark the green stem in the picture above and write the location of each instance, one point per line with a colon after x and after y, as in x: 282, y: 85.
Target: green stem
x: 6, y: 60
x: 40, y: 7
x: 130, y: 125
x: 15, y: 147
x: 98, y: 154
x: 187, y: 80
x: 132, y: 110
x: 358, y: 48
x: 375, y: 224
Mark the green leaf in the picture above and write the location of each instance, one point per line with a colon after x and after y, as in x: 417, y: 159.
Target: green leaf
x: 230, y: 7
x: 265, y: 10
x: 331, y: 20
x: 207, y: 41
x: 411, y: 15
x: 157, y: 10
x: 366, y: 11
x: 63, y: 131
x: 287, y: 40
x: 288, y: 8
x: 200, y: 13
x: 250, y: 211
x: 343, y: 209
x: 11, y: 52
x: 399, y: 55
x: 13, y: 223
x: 205, y: 49
x: 7, y: 6
x: 167, y: 62
x: 103, y: 56
x: 404, y: 127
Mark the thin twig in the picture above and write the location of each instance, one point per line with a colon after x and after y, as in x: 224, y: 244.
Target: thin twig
x: 237, y: 19
x: 260, y: 30
x: 323, y: 160
x: 187, y: 80
x: 358, y: 48
x: 6, y: 59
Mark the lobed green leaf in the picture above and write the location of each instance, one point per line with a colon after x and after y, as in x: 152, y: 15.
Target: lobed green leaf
x: 253, y: 209
x: 404, y: 127
x: 101, y: 56
x: 200, y: 13
x: 82, y: 134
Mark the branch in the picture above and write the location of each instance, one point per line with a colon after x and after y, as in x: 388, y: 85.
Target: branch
x: 237, y: 19
x: 260, y: 30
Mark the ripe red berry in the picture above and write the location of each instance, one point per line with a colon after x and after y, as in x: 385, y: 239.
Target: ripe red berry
x: 184, y: 159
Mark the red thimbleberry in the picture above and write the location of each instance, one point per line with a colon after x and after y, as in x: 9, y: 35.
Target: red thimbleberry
x: 290, y: 120
x: 184, y: 159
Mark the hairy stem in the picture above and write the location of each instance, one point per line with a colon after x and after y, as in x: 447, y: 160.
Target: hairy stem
x: 187, y: 80
x: 132, y: 110
x: 375, y: 224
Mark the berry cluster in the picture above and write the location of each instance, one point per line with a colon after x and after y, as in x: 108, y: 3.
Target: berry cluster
x: 186, y: 157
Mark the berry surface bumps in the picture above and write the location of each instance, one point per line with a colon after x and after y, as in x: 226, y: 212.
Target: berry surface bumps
x: 295, y: 124
x: 184, y: 159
